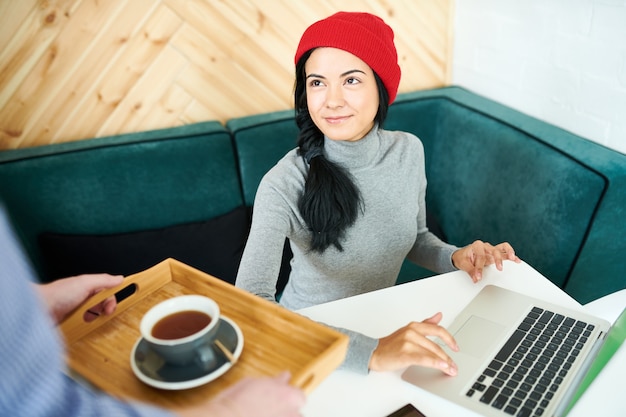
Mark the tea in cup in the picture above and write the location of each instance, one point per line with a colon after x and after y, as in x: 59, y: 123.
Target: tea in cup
x: 182, y: 329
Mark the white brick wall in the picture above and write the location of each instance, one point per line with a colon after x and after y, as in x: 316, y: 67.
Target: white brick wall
x: 562, y: 61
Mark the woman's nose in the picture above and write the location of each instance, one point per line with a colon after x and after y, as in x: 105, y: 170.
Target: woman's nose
x: 334, y: 97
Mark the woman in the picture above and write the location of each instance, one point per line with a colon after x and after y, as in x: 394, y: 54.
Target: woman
x: 351, y: 197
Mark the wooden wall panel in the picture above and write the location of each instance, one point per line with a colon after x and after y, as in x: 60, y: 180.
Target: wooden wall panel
x: 78, y: 69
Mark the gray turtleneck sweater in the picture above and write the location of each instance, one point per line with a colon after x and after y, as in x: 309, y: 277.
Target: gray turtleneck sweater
x: 388, y: 168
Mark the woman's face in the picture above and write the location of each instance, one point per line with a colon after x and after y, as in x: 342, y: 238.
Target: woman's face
x: 342, y: 96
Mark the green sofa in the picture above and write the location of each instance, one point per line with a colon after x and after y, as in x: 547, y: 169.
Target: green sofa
x: 120, y: 204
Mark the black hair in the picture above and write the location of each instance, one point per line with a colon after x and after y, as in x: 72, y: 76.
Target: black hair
x: 331, y: 201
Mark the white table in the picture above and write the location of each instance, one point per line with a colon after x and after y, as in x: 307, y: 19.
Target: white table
x: 379, y: 313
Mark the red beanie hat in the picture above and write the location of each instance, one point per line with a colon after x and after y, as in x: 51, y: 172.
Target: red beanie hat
x: 363, y: 35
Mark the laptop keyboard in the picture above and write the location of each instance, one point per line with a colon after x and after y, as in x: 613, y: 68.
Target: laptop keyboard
x: 524, y: 376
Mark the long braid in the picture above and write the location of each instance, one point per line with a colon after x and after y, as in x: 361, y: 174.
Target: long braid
x: 331, y: 201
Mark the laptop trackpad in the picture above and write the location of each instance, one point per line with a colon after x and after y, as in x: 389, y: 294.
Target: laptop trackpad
x: 477, y: 336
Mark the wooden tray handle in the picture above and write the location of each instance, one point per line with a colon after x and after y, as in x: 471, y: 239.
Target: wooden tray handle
x: 306, y: 381
x: 311, y: 376
x: 315, y: 372
x: 138, y: 285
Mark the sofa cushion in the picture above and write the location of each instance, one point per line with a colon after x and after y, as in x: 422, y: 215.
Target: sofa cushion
x: 195, y: 244
x: 494, y: 181
x: 260, y: 142
x: 506, y: 185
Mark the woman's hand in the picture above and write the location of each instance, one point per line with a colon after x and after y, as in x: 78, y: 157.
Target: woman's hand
x: 64, y: 295
x: 411, y: 346
x: 473, y: 258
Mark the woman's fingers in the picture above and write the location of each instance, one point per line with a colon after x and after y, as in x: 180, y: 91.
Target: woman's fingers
x: 476, y: 256
x: 413, y: 345
x: 429, y: 353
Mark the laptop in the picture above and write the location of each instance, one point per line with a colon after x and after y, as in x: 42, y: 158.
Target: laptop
x: 519, y: 355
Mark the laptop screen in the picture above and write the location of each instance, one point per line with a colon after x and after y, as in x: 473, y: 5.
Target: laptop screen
x: 614, y: 339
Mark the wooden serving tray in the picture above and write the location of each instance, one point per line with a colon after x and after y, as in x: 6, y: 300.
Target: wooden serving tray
x: 275, y: 339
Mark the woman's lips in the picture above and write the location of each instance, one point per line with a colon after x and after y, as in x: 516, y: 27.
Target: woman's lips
x: 336, y: 119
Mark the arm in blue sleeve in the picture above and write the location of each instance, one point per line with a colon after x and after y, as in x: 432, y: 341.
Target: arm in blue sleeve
x: 34, y: 382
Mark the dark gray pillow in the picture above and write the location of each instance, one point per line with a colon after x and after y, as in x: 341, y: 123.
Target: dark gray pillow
x: 214, y: 246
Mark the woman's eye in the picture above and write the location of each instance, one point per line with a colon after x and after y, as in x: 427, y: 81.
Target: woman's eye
x: 352, y: 81
x: 315, y: 83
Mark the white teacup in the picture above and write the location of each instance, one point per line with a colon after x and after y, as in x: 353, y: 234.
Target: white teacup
x: 177, y: 329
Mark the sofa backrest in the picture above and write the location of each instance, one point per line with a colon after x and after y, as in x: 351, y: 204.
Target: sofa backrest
x: 89, y: 192
x: 498, y: 175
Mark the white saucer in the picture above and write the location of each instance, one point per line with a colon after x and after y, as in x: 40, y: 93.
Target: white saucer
x: 151, y: 369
